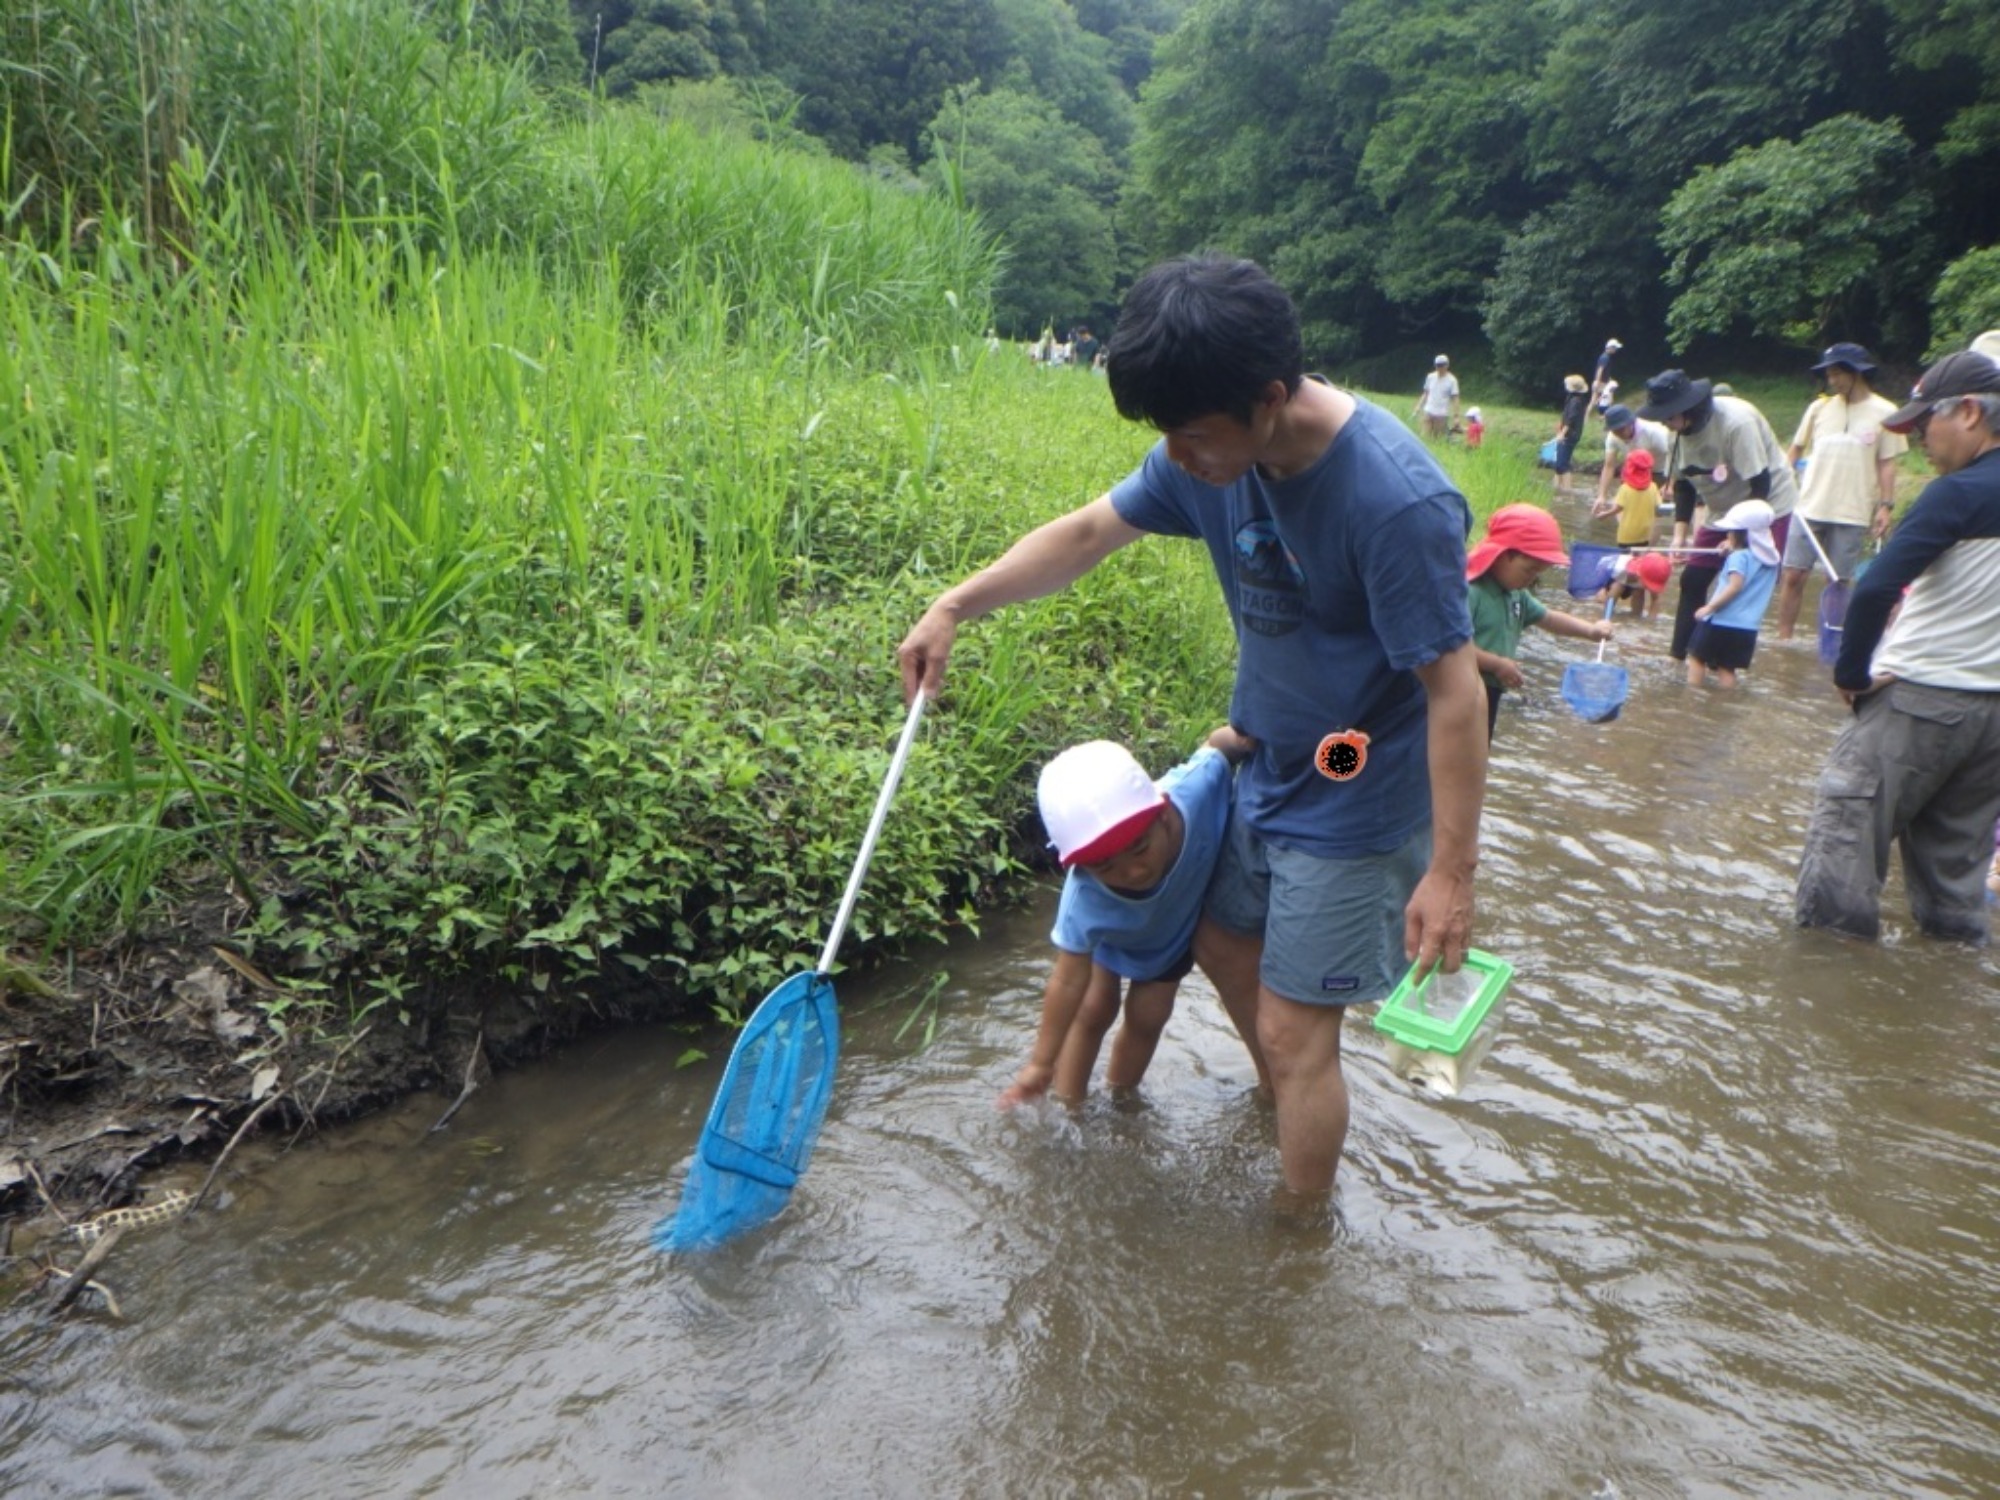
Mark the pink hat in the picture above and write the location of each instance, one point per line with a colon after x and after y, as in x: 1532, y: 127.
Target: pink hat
x: 1518, y: 528
x: 1096, y: 799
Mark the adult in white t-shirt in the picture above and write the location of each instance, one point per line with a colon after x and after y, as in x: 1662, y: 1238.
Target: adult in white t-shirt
x: 1438, y: 405
x: 1849, y: 490
x: 1623, y: 432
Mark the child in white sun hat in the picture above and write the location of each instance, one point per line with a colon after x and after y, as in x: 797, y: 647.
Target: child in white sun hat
x: 1139, y: 856
x: 1725, y: 629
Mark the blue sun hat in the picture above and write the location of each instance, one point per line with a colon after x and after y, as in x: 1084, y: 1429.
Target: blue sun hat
x: 1851, y: 356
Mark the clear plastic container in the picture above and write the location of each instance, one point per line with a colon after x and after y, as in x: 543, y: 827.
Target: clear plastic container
x: 1439, y: 1026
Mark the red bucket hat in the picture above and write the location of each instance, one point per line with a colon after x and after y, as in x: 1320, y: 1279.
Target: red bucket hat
x: 1651, y: 571
x: 1518, y: 528
x: 1638, y: 468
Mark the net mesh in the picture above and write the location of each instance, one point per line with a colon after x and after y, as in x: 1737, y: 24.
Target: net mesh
x: 1591, y: 567
x: 1594, y: 690
x: 764, y: 1121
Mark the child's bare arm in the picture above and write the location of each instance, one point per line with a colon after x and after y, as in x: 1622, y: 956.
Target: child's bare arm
x: 1069, y: 980
x: 1555, y: 622
x: 1731, y: 587
x: 1504, y: 669
x: 1235, y: 745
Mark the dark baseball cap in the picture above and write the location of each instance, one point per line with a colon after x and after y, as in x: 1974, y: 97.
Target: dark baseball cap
x: 1618, y: 416
x: 1963, y: 374
x: 1853, y: 356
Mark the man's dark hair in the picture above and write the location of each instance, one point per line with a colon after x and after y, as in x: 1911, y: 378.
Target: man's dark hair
x: 1199, y: 335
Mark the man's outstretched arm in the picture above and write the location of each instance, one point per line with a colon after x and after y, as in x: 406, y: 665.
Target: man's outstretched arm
x: 1048, y: 559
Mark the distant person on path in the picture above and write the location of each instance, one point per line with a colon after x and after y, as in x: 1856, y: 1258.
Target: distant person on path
x: 1521, y: 541
x: 1919, y: 763
x: 1087, y: 346
x: 1623, y: 434
x: 1726, y: 626
x: 1603, y: 389
x: 1849, y: 491
x: 1139, y: 857
x: 1724, y: 452
x: 1438, y: 405
x: 1569, y: 426
x: 1339, y: 546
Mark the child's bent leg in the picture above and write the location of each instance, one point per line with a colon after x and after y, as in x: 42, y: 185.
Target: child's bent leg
x: 1696, y: 672
x: 1148, y: 1005
x: 1086, y: 1034
x: 1230, y: 960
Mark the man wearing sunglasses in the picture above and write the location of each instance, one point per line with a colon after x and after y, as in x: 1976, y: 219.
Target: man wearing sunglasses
x: 1919, y: 763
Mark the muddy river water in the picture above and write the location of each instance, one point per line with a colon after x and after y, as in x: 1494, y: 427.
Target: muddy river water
x: 1717, y: 1216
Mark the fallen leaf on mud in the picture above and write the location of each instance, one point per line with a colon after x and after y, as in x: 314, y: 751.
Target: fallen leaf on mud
x: 262, y: 1082
x: 247, y: 969
x: 206, y: 992
x: 232, y: 1026
x: 206, y: 989
x: 13, y: 1173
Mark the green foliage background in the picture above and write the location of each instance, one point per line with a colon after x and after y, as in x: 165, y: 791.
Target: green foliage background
x: 468, y: 543
x: 1532, y: 174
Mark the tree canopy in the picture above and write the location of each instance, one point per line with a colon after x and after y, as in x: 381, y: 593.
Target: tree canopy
x: 1538, y: 172
x: 1510, y: 165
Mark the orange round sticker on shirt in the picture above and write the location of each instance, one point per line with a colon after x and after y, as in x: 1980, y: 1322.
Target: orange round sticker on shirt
x: 1342, y: 754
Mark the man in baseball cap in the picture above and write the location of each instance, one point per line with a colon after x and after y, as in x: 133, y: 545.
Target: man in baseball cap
x: 1968, y: 373
x: 1918, y: 766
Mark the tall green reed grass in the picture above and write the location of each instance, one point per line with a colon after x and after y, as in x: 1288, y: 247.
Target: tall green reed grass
x: 449, y: 594
x: 474, y: 527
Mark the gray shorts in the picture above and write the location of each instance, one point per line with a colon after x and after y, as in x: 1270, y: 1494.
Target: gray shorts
x: 1332, y: 928
x: 1917, y: 767
x: 1843, y: 546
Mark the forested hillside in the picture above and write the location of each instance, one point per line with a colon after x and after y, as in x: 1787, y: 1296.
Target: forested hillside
x: 1722, y: 175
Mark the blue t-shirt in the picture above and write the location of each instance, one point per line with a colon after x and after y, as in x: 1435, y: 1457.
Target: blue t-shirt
x: 1140, y: 937
x: 1746, y: 610
x: 1340, y: 581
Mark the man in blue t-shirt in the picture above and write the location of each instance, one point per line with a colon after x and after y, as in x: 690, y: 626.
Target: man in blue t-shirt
x: 1339, y: 545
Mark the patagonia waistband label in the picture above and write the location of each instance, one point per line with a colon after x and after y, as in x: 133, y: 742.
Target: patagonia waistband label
x: 1339, y: 984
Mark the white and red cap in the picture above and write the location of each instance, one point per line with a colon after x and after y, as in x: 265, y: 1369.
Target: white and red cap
x: 1096, y: 799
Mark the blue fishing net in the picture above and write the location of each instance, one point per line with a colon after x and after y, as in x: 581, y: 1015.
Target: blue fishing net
x: 1595, y: 690
x: 765, y: 1118
x: 1591, y: 567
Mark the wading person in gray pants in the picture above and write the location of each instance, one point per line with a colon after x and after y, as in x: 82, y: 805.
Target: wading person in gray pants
x: 1919, y: 763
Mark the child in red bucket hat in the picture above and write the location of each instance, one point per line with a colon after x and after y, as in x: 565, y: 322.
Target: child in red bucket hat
x: 1637, y: 502
x: 1642, y: 579
x: 1521, y: 541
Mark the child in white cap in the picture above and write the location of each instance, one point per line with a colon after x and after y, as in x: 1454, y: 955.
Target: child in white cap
x: 1725, y: 629
x: 1139, y: 856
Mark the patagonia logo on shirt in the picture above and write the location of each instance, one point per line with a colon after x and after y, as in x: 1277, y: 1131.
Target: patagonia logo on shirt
x: 1339, y: 984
